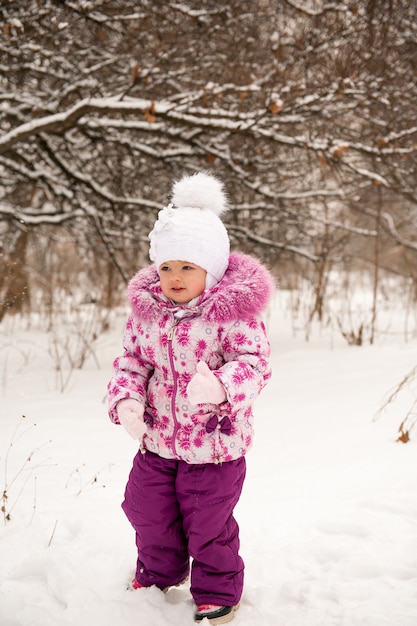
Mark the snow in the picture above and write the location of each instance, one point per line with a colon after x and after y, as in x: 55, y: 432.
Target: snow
x: 373, y: 175
x: 328, y: 515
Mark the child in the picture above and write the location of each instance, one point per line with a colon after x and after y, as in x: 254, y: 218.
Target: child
x: 195, y: 359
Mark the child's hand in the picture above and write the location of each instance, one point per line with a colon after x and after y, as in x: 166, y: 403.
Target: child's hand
x: 205, y: 386
x: 130, y: 414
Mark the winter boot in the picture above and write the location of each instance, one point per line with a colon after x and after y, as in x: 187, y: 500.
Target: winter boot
x: 215, y: 614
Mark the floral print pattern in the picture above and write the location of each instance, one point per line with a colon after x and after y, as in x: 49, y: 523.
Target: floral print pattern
x: 162, y: 346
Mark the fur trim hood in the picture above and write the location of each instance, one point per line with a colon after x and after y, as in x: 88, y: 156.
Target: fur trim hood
x: 243, y: 292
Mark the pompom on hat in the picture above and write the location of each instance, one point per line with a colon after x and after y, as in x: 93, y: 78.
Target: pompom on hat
x: 190, y: 228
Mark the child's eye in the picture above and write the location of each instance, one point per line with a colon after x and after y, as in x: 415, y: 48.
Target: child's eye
x: 187, y: 267
x: 164, y: 268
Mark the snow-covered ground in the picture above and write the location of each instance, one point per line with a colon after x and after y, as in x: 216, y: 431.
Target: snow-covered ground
x: 328, y: 516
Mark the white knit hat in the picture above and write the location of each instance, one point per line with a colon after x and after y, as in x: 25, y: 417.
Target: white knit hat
x: 190, y: 228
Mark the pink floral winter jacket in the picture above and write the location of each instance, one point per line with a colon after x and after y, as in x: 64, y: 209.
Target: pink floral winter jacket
x: 163, y: 343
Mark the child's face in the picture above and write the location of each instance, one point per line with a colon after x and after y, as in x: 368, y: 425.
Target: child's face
x: 182, y: 281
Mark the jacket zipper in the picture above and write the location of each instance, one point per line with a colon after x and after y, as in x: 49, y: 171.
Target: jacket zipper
x: 175, y: 385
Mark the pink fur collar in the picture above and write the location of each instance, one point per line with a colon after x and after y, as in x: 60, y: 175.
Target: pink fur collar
x: 244, y: 292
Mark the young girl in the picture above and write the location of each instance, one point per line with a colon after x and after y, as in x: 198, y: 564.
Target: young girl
x: 195, y: 359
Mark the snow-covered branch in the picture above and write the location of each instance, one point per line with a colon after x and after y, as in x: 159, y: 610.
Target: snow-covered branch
x: 65, y: 120
x: 27, y: 216
x: 323, y: 7
x: 251, y: 236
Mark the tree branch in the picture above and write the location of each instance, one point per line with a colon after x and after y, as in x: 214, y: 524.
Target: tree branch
x: 60, y: 122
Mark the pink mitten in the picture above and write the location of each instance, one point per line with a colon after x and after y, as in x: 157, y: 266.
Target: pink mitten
x: 130, y: 414
x: 205, y: 386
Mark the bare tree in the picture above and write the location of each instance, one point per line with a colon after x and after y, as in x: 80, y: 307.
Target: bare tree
x: 306, y: 109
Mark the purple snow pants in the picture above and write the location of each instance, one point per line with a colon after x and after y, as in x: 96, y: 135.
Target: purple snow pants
x: 180, y: 511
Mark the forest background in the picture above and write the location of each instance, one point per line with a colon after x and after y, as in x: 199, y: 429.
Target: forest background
x: 306, y: 110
